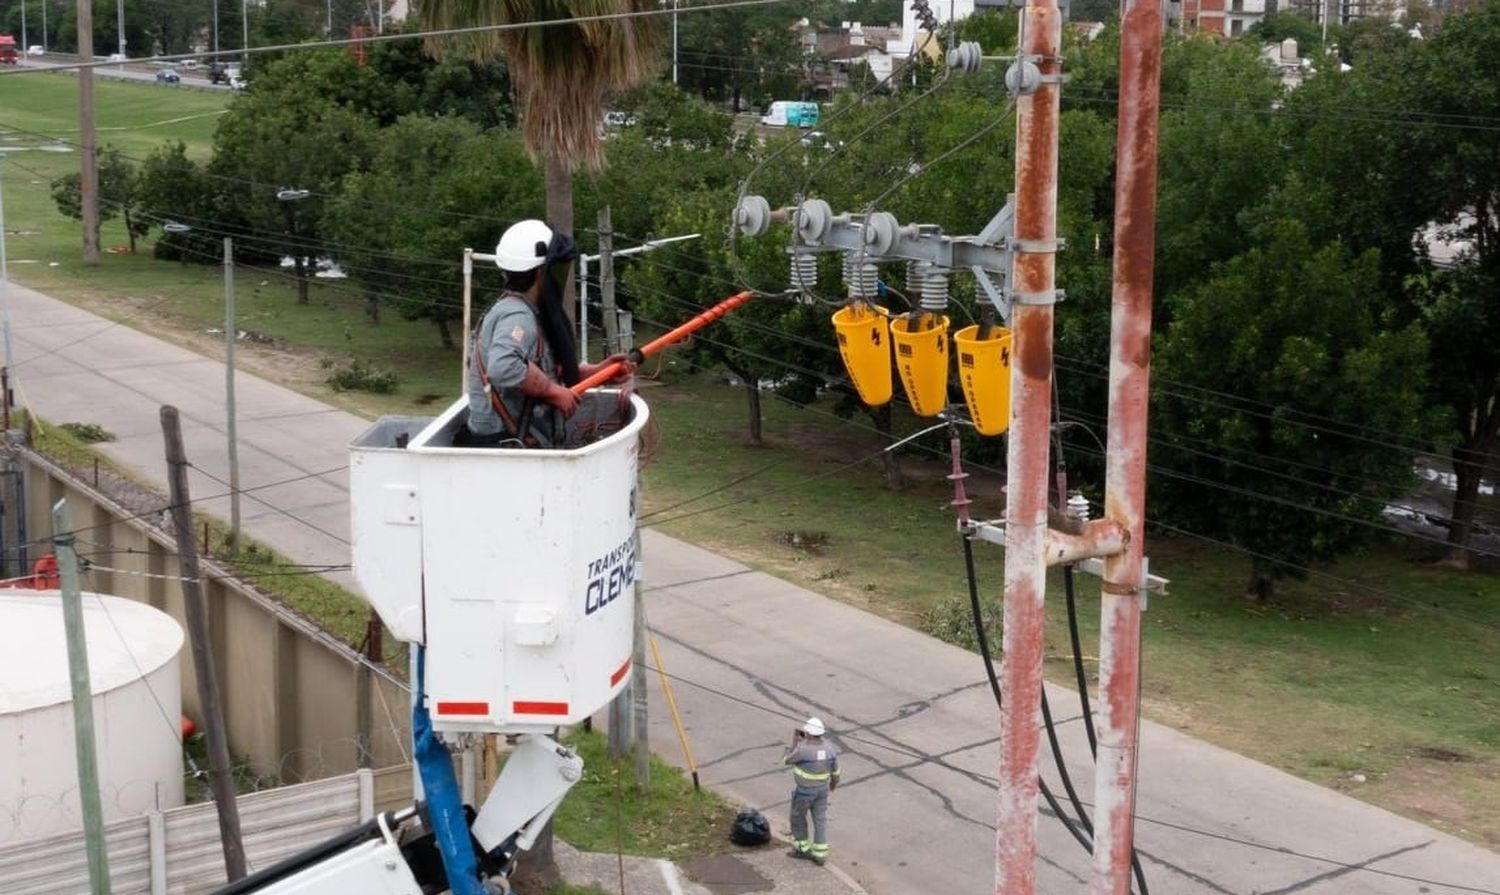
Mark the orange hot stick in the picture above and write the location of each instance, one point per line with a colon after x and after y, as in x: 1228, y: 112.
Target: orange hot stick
x: 677, y: 335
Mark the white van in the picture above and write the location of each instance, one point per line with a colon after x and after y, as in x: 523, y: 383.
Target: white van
x: 791, y: 114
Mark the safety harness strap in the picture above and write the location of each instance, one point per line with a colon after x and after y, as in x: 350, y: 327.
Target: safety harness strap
x: 515, y: 431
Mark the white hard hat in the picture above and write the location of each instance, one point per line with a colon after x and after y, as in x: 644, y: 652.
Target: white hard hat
x: 523, y: 246
x: 813, y: 727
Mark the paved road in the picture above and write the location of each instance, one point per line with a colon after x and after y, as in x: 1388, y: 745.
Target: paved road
x: 132, y: 71
x: 752, y: 653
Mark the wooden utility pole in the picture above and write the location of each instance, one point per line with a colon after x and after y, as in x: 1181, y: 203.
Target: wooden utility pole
x: 89, y: 167
x: 219, y: 778
x: 83, y: 700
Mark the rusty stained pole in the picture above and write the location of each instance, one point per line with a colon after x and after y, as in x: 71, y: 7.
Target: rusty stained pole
x: 1125, y: 475
x: 1034, y: 291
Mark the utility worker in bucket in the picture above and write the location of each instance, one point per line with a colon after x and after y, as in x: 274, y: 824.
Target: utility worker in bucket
x: 815, y: 768
x: 524, y: 354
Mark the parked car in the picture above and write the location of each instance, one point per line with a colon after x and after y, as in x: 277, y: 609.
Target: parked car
x: 218, y: 73
x: 619, y: 119
x: 36, y: 50
x: 190, y: 64
x: 116, y: 57
x: 819, y: 140
x: 237, y: 83
x: 168, y: 76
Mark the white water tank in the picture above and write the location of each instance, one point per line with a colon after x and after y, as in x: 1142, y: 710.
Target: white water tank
x: 513, y: 566
x: 137, y: 702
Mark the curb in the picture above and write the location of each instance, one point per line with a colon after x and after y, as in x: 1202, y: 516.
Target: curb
x: 839, y: 874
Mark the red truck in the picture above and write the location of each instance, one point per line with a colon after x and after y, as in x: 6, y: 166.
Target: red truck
x: 8, y: 53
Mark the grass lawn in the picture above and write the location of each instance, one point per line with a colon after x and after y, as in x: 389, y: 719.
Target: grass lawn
x: 293, y: 343
x: 1330, y: 682
x: 607, y: 812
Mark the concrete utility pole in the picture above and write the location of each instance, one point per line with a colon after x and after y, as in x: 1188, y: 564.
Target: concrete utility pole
x: 1123, y: 593
x: 607, y: 284
x: 231, y: 335
x: 219, y: 778
x: 83, y: 700
x: 1033, y: 295
x: 674, y: 44
x: 4, y: 276
x: 89, y: 168
x: 120, y: 24
x: 638, y: 678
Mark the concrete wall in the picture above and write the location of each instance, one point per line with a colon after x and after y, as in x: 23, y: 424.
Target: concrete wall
x: 299, y: 704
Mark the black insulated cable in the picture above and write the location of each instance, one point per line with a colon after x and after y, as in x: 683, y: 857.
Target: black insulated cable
x: 989, y: 670
x: 1078, y: 671
x: 1083, y: 836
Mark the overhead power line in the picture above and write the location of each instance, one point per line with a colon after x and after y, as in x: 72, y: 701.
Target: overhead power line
x: 408, y: 35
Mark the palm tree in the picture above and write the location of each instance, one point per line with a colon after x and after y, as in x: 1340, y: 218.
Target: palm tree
x: 561, y: 74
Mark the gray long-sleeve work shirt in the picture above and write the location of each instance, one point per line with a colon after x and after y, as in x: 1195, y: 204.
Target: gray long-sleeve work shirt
x: 508, y: 339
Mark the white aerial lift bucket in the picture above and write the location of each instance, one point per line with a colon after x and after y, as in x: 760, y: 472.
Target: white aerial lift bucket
x: 513, y: 566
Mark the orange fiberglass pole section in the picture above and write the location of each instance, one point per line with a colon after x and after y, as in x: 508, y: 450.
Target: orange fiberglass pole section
x: 605, y: 374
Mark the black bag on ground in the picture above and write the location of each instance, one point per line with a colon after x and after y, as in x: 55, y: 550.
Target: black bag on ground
x: 750, y: 828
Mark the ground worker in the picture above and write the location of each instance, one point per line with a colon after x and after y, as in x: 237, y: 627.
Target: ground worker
x: 815, y: 768
x: 524, y: 353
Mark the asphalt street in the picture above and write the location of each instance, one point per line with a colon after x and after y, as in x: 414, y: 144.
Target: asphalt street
x: 750, y: 655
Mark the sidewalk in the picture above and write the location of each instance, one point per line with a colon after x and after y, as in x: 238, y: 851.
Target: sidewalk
x: 746, y: 870
x: 752, y: 655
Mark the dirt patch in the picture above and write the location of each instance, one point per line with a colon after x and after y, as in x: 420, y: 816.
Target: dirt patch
x: 807, y: 541
x: 1435, y: 753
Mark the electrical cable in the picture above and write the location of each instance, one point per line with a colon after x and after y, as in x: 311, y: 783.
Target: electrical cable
x: 1079, y: 673
x: 1272, y: 412
x: 983, y: 641
x: 399, y: 36
x: 991, y: 781
x: 1246, y: 492
x: 168, y: 507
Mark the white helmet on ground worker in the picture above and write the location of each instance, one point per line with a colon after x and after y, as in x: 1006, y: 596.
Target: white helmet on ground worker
x: 813, y: 727
x: 523, y: 246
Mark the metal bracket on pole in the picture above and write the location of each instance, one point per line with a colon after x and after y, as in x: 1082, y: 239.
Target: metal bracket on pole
x: 1149, y: 583
x: 880, y: 238
x: 993, y: 532
x: 1049, y: 297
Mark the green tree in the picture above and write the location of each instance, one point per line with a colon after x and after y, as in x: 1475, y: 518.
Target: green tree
x: 119, y: 195
x: 1278, y: 26
x: 1290, y: 329
x: 278, y: 165
x: 171, y: 25
x: 1386, y: 155
x: 394, y: 221
x: 174, y: 188
x: 561, y: 74
x: 1219, y: 156
x: 736, y: 54
x: 396, y: 79
x: 106, y: 29
x: 1459, y: 80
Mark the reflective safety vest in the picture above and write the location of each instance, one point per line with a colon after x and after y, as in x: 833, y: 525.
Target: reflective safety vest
x: 813, y: 763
